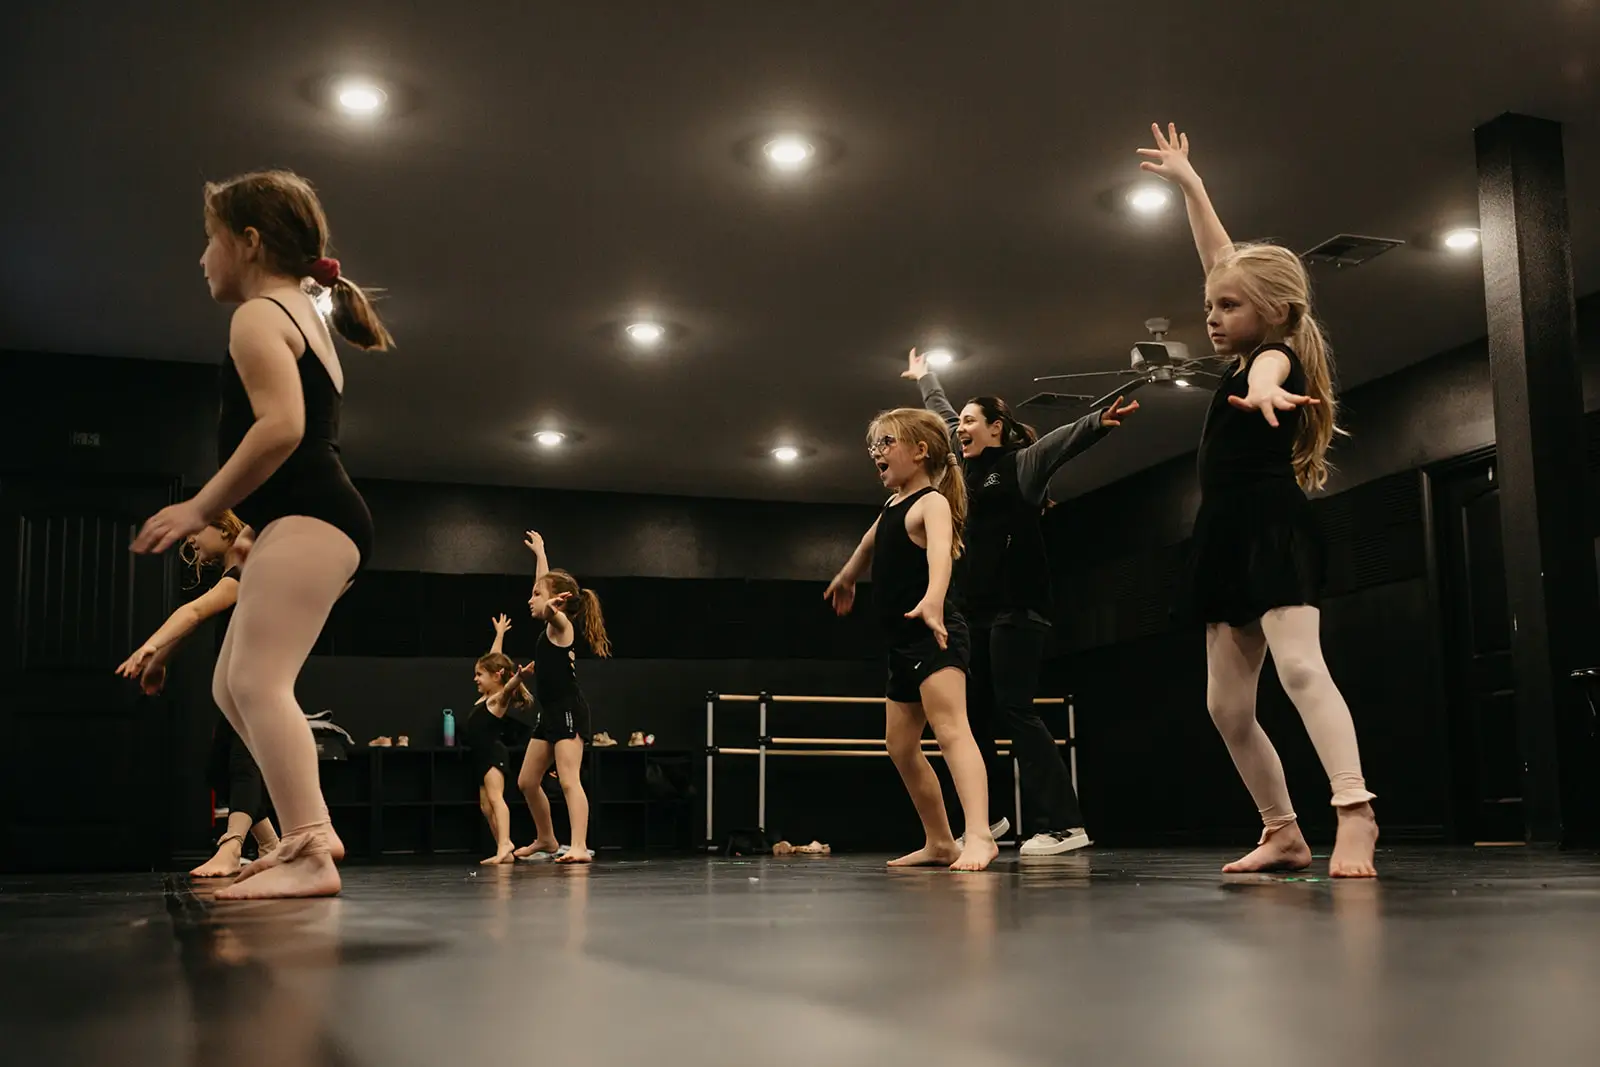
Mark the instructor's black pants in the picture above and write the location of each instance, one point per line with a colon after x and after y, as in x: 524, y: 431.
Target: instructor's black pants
x: 1004, y: 678
x: 234, y: 776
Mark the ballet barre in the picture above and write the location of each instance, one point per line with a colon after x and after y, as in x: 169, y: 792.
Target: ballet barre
x: 768, y: 746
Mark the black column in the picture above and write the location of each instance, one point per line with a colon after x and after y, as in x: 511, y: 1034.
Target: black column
x: 1538, y: 417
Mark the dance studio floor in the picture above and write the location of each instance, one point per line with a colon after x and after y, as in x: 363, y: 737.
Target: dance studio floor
x: 1105, y: 958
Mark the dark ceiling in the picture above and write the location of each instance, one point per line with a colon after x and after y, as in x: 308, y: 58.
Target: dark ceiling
x: 556, y: 169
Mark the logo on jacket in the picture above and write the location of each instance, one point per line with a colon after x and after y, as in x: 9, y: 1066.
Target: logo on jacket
x: 991, y: 481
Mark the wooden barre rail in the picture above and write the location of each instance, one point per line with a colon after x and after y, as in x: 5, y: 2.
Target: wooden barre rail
x: 864, y: 741
x: 747, y: 698
x: 772, y: 752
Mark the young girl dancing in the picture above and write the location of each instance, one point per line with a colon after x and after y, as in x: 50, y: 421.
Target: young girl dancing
x: 911, y: 549
x: 278, y: 447
x: 231, y: 770
x: 563, y: 724
x: 1258, y: 552
x: 1005, y: 595
x: 489, y: 732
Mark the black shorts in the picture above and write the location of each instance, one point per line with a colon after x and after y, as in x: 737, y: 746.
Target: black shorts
x: 490, y: 738
x: 915, y: 657
x: 562, y: 720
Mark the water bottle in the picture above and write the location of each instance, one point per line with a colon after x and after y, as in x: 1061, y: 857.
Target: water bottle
x: 449, y: 728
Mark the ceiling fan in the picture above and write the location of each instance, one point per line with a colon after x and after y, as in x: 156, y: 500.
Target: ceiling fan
x: 1156, y: 360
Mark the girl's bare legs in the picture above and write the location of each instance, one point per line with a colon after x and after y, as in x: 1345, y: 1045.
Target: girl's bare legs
x: 1292, y: 634
x: 492, y: 799
x: 903, y: 736
x: 944, y: 701
x: 298, y: 568
x: 1234, y: 655
x: 569, y: 762
x: 535, y: 763
x: 225, y: 864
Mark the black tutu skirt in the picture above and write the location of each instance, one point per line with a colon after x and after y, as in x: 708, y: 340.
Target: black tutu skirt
x: 1255, y: 548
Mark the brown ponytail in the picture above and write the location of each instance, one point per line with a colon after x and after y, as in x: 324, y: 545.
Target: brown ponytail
x: 590, y: 617
x: 355, y: 318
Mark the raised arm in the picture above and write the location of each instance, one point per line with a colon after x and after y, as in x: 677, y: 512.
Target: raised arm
x: 501, y: 624
x: 179, y: 625
x: 535, y: 543
x: 841, y: 592
x: 933, y: 397
x: 1038, y: 462
x: 1170, y: 159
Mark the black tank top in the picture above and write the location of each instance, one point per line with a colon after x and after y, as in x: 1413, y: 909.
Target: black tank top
x: 1239, y: 448
x: 899, y: 570
x: 555, y: 670
x: 314, y: 461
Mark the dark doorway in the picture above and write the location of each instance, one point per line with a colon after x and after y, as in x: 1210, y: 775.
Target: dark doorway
x: 85, y: 760
x: 1480, y: 681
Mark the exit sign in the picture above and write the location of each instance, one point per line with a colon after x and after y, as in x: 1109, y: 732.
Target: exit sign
x: 81, y: 439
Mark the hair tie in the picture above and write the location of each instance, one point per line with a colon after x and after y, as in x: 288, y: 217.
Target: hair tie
x: 951, y: 457
x: 324, y: 271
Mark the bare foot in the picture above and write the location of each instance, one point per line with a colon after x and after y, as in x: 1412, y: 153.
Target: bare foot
x: 335, y: 846
x: 1354, y: 843
x: 225, y: 864
x: 1283, y: 849
x: 310, y: 874
x: 976, y: 853
x: 547, y: 847
x: 931, y: 855
x: 505, y: 855
x: 576, y: 855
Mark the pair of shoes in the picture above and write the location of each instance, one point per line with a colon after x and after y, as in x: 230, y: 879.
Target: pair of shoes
x: 638, y: 739
x: 603, y: 740
x: 997, y: 830
x: 380, y: 742
x: 1055, y: 842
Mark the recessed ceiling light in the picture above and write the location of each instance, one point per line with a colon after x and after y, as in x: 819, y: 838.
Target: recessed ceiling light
x: 789, y: 152
x: 361, y: 98
x: 549, y: 438
x: 1461, y: 240
x: 939, y: 357
x: 786, y: 454
x: 1183, y: 383
x: 1149, y: 199
x: 645, y: 334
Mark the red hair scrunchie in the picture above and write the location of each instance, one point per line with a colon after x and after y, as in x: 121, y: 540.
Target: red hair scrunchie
x: 324, y: 271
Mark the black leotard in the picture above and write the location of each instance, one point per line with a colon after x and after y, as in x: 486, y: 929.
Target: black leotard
x: 312, y: 481
x: 555, y: 670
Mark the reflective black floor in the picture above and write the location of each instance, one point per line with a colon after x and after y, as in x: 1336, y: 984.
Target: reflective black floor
x: 1105, y: 958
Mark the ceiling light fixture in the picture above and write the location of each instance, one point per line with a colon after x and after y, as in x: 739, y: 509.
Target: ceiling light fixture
x: 361, y: 98
x: 940, y: 357
x: 1182, y: 383
x: 1461, y: 240
x: 789, y: 152
x: 549, y: 438
x: 645, y: 334
x: 1149, y: 199
x: 786, y: 454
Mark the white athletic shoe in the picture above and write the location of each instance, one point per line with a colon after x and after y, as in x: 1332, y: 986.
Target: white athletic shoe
x: 997, y: 830
x: 1053, y: 843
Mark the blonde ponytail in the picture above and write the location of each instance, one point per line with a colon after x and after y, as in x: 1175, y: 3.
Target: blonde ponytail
x: 953, y: 487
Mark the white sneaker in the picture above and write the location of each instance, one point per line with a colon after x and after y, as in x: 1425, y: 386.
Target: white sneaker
x: 1053, y: 843
x: 997, y: 830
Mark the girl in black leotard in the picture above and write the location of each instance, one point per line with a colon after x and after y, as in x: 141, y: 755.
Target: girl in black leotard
x: 491, y: 731
x: 911, y: 549
x: 1003, y: 586
x: 278, y: 447
x: 1257, y: 565
x: 563, y: 725
x: 231, y: 771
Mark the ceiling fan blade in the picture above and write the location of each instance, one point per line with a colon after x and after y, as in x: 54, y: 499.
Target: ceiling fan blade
x: 1086, y: 374
x: 1054, y: 399
x: 1115, y: 393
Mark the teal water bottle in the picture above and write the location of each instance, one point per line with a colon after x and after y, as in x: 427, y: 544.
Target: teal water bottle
x: 449, y: 728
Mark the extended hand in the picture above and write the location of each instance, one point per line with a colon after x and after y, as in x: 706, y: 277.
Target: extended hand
x: 500, y: 623
x: 134, y: 665
x: 535, y: 543
x: 841, y: 594
x: 916, y: 366
x: 1271, y: 401
x: 169, y: 526
x: 932, y: 615
x: 1170, y: 157
x: 1112, y: 416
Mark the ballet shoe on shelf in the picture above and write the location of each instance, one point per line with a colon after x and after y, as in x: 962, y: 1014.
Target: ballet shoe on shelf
x: 380, y: 742
x: 603, y: 740
x: 636, y: 739
x: 402, y: 741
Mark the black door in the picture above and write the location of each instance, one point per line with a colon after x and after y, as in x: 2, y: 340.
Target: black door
x: 84, y: 759
x: 1485, y: 756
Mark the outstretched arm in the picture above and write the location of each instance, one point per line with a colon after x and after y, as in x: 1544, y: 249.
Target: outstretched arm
x: 841, y: 592
x: 1038, y: 462
x: 1170, y: 159
x: 181, y: 624
x: 535, y: 543
x: 501, y: 624
x: 933, y: 396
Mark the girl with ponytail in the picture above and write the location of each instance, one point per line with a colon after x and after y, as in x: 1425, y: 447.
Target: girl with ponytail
x: 911, y: 549
x: 1003, y: 588
x: 563, y: 724
x: 1257, y: 566
x: 490, y: 732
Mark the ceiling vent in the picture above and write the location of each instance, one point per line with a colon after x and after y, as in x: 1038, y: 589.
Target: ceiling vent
x: 1350, y: 250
